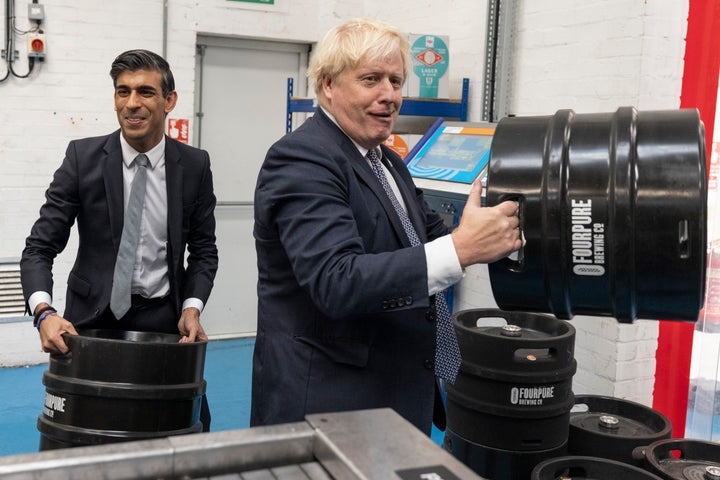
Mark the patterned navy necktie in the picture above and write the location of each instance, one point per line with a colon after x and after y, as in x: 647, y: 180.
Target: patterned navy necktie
x: 447, y: 353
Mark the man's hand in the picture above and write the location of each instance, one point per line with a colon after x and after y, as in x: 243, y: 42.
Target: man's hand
x: 486, y: 234
x: 51, y: 331
x: 189, y: 326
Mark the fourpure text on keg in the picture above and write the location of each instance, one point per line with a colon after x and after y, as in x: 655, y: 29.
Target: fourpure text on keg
x: 531, y: 396
x: 53, y: 403
x: 587, y: 239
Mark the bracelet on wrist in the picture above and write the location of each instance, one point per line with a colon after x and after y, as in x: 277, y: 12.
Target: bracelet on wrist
x: 39, y: 315
x: 43, y: 316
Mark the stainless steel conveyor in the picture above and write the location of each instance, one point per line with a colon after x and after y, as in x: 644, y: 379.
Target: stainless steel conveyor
x: 366, y: 444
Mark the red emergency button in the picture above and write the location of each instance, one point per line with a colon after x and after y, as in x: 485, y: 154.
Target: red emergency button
x: 37, y: 45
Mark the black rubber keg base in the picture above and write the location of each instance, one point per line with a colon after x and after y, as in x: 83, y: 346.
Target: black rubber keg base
x: 497, y: 464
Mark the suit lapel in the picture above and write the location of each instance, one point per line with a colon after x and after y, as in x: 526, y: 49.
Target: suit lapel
x: 365, y: 174
x: 174, y: 179
x: 113, y: 178
x: 363, y: 170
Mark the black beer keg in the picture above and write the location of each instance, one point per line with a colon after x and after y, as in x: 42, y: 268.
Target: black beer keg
x: 509, y: 406
x: 613, y: 209
x: 612, y: 428
x: 681, y: 459
x: 588, y: 468
x: 117, y: 385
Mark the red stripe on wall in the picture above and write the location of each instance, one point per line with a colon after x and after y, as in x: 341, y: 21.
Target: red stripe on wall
x: 699, y: 90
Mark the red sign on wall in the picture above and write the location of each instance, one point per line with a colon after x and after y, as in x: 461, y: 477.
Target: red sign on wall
x: 178, y: 129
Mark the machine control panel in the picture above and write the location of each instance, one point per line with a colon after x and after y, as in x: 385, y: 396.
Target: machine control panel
x: 446, y: 162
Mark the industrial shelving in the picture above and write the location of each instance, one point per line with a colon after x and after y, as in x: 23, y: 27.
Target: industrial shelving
x: 429, y: 107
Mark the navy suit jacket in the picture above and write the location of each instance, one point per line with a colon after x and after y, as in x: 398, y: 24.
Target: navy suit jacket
x: 88, y: 188
x: 344, y: 317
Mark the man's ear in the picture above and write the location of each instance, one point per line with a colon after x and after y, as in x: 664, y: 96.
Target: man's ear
x: 170, y: 101
x: 327, y: 85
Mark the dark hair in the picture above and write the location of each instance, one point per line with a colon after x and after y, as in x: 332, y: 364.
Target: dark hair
x: 134, y: 60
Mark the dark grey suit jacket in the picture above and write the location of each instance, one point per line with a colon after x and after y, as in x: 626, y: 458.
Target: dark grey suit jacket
x: 88, y: 188
x: 344, y: 318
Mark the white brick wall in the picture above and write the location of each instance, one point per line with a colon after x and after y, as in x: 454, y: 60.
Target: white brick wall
x: 20, y: 345
x: 589, y: 56
x: 464, y: 21
x: 595, y: 57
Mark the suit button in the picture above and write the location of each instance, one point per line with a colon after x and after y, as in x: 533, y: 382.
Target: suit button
x: 385, y: 305
x: 97, y: 312
x: 430, y: 315
x: 429, y: 364
x: 393, y: 303
x: 408, y: 300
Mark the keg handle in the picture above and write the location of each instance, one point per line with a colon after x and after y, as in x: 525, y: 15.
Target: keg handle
x: 515, y: 262
x: 683, y: 239
x: 62, y: 358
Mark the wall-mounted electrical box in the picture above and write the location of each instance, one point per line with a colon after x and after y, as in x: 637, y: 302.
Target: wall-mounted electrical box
x: 36, y: 46
x: 36, y: 12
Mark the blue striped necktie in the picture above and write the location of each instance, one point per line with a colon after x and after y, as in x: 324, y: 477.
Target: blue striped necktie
x: 447, y: 353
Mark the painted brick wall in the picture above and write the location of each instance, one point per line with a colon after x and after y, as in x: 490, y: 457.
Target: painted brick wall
x: 598, y: 56
x: 589, y: 56
x: 463, y: 21
x: 595, y: 57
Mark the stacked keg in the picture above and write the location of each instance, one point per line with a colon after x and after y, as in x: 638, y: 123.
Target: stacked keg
x: 613, y: 428
x: 117, y: 385
x: 613, y: 210
x: 509, y: 406
x: 615, y: 439
x: 681, y: 459
x: 603, y: 435
x: 588, y: 468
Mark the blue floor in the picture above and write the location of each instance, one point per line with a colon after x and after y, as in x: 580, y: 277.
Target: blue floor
x: 228, y: 365
x: 227, y: 372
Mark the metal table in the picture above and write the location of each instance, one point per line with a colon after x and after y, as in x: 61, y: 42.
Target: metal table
x: 365, y: 444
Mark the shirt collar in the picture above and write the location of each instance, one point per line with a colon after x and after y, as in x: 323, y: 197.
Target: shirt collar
x: 363, y: 151
x: 154, y: 155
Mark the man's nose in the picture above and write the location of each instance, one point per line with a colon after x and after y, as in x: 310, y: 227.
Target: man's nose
x: 387, y: 89
x: 133, y: 100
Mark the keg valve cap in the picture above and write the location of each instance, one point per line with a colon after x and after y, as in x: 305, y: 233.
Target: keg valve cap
x: 610, y: 422
x: 511, y: 331
x: 712, y: 472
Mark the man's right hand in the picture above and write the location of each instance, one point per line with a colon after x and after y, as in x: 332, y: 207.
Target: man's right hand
x: 51, y: 330
x: 486, y: 234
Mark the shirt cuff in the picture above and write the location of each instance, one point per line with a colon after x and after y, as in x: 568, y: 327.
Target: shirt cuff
x: 443, y: 265
x: 193, y: 302
x: 36, y: 299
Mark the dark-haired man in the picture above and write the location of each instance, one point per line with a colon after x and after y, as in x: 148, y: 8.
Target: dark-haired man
x: 159, y: 292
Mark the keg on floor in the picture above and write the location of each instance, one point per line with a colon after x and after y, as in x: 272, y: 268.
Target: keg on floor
x: 118, y: 385
x: 509, y: 406
x: 613, y: 209
x: 588, y: 468
x: 612, y: 428
x: 681, y: 459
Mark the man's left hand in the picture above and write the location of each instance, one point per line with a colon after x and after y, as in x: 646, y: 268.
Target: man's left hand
x: 189, y: 326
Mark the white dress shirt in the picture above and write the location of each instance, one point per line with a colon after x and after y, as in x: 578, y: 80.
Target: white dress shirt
x: 150, y: 272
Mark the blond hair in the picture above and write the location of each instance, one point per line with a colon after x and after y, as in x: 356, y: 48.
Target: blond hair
x: 348, y: 43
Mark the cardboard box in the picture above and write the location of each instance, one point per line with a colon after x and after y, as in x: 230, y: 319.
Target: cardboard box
x: 428, y: 76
